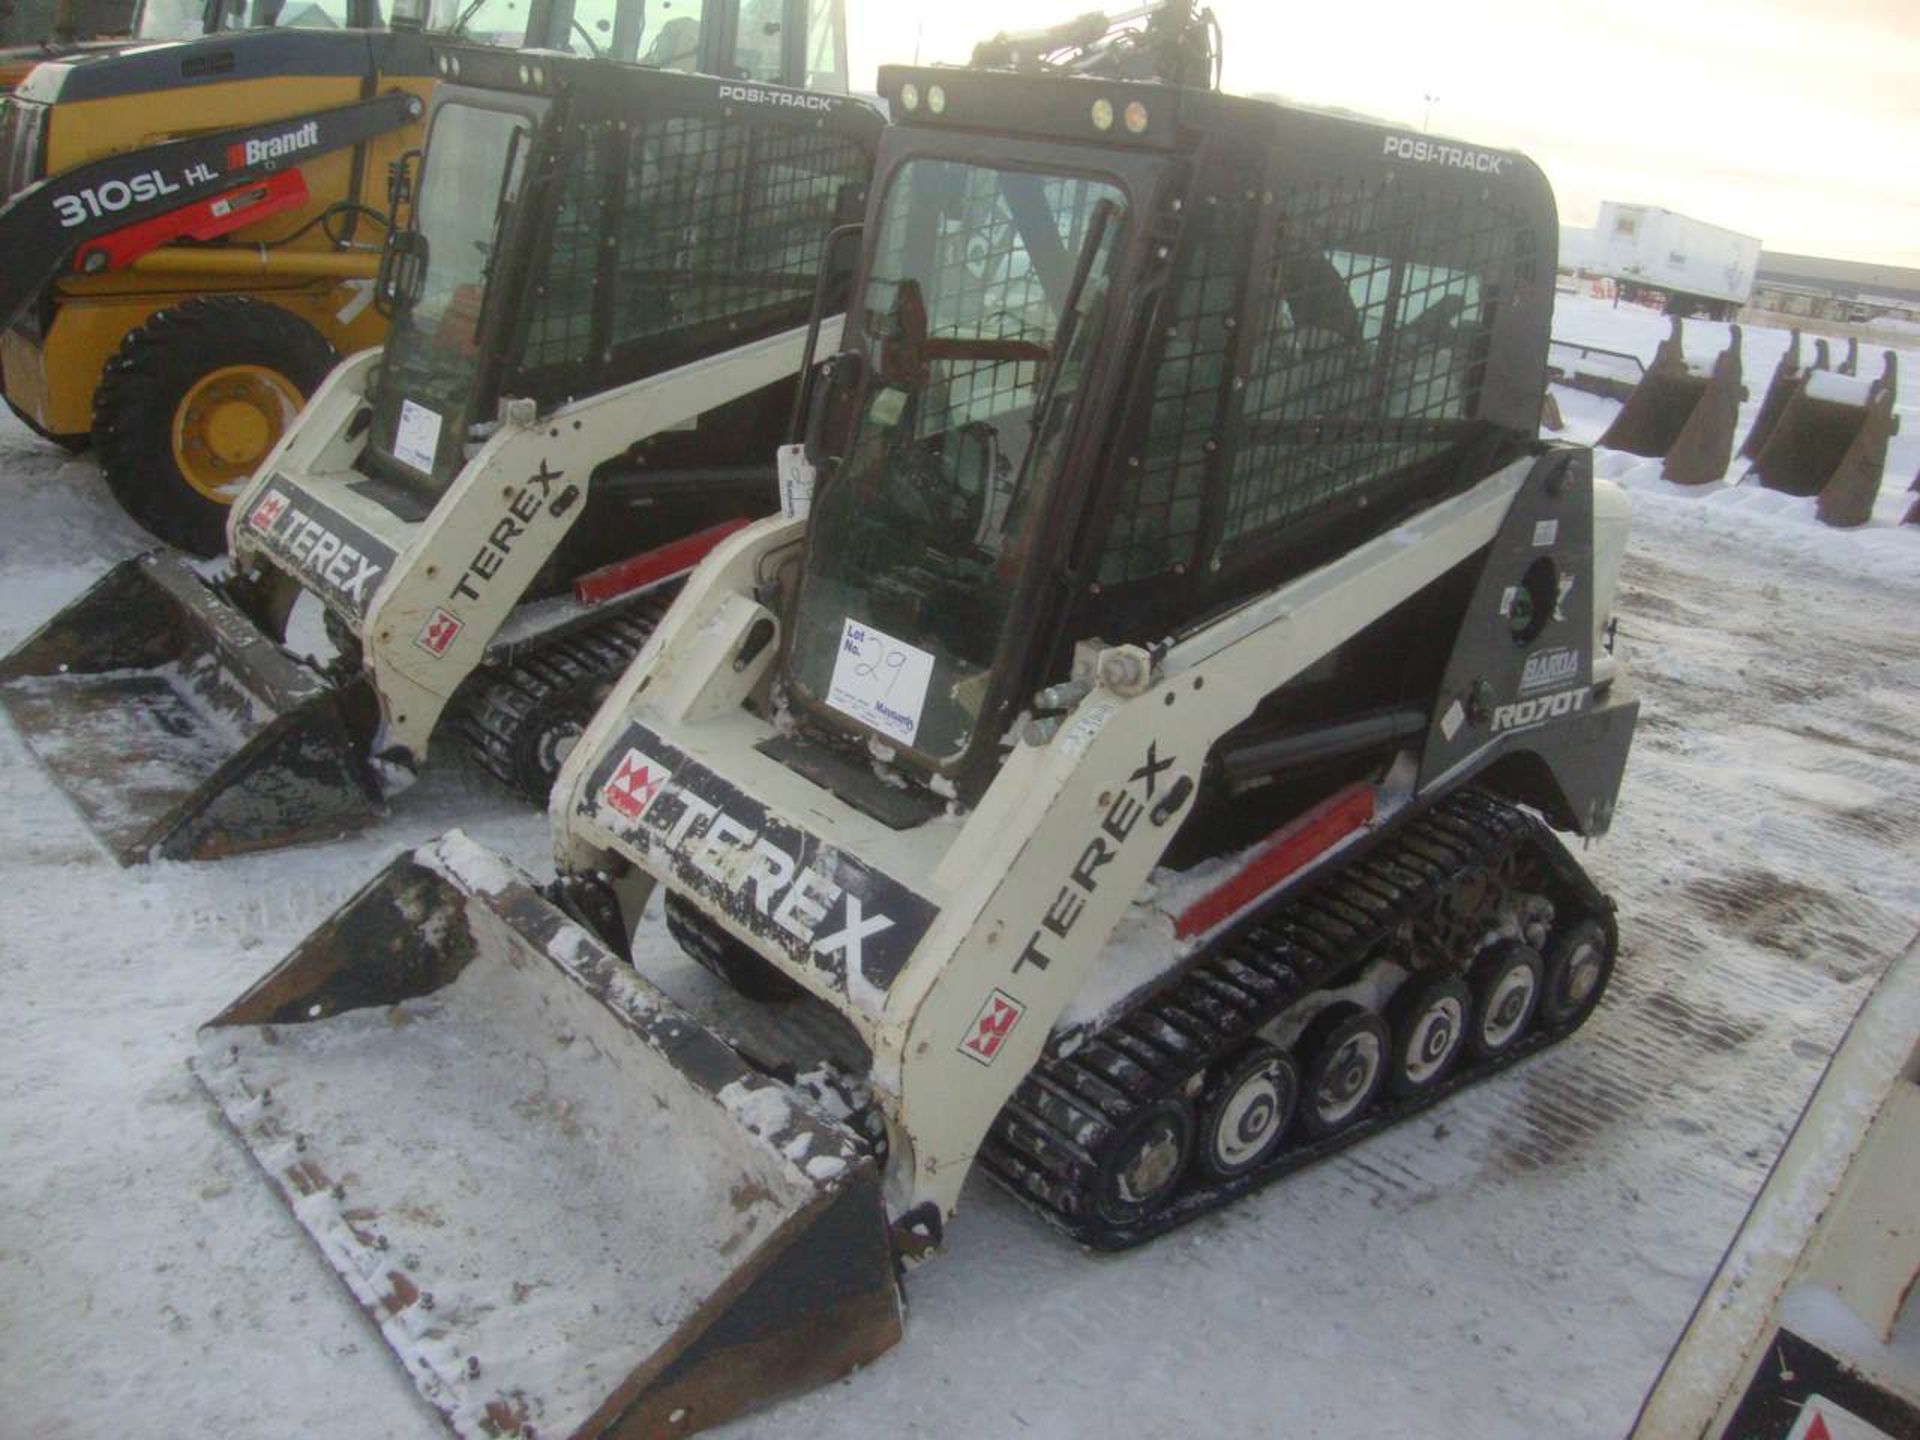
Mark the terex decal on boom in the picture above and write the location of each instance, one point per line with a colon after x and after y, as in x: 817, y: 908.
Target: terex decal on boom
x: 523, y: 508
x: 820, y: 905
x: 1116, y: 827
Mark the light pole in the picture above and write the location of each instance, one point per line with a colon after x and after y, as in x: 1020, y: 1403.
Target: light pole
x: 1426, y: 115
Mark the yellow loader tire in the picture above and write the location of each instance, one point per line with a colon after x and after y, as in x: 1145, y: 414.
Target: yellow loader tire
x: 190, y: 405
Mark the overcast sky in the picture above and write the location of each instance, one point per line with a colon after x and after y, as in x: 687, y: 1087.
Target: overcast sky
x: 1794, y: 120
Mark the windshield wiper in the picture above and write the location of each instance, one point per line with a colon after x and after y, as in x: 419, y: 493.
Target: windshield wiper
x: 1063, y: 334
x: 459, y: 27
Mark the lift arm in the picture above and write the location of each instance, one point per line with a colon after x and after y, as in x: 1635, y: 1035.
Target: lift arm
x: 70, y: 214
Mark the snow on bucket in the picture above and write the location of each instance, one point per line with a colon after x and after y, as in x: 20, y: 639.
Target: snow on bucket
x: 177, y: 727
x: 1680, y: 415
x: 1831, y: 441
x: 570, y: 1208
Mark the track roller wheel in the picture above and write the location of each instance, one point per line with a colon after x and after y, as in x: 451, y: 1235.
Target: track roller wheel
x: 1248, y: 1114
x: 1429, y: 1019
x: 1346, y: 1053
x: 192, y: 402
x: 713, y: 949
x: 1141, y: 1166
x: 1579, y: 963
x: 543, y: 746
x: 1506, y: 992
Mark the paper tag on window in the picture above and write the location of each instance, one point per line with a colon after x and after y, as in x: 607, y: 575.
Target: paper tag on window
x: 416, y: 437
x: 880, y: 681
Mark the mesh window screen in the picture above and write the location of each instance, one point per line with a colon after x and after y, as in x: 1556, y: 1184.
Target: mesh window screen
x: 1369, y: 352
x: 725, y: 222
x: 1156, y: 523
x: 560, y: 329
x: 722, y: 224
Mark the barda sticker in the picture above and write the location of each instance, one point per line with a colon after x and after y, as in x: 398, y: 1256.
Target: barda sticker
x: 1451, y: 721
x: 880, y: 681
x: 1545, y: 668
x: 437, y: 634
x: 1545, y: 532
x: 991, y: 1027
x: 635, y: 782
x: 1526, y: 713
x: 417, y: 437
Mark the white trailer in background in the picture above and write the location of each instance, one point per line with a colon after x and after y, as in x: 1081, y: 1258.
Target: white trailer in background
x: 1699, y: 269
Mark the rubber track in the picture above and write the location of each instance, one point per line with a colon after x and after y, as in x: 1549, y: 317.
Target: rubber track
x: 1046, y: 1142
x: 507, y: 703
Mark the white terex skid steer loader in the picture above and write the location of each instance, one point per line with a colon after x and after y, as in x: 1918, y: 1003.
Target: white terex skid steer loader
x: 599, y: 314
x: 1811, y: 1328
x: 1116, y: 779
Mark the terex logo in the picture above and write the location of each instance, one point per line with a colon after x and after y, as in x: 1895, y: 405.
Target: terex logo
x: 799, y: 899
x: 274, y: 147
x: 991, y: 1027
x: 1432, y: 152
x: 635, y: 782
x: 271, y: 505
x: 310, y: 544
x: 797, y: 894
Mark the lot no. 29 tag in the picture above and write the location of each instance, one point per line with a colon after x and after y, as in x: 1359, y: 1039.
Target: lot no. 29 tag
x: 880, y: 681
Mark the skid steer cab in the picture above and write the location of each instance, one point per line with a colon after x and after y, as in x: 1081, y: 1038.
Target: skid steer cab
x: 193, y: 229
x: 1133, y: 770
x: 598, y: 313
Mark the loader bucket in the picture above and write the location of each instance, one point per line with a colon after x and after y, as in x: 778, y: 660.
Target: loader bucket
x: 1831, y: 441
x: 1685, y: 417
x: 569, y: 1208
x: 179, y: 729
x: 1786, y: 377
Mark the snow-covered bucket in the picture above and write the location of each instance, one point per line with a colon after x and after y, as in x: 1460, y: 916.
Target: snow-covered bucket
x: 570, y: 1208
x: 178, y: 728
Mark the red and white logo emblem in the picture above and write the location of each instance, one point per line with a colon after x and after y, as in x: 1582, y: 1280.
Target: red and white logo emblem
x: 991, y: 1027
x: 437, y: 634
x: 636, y: 780
x: 1823, y: 1419
x: 272, y: 505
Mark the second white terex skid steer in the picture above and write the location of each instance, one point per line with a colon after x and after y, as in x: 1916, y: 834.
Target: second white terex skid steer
x: 598, y: 319
x: 1135, y: 774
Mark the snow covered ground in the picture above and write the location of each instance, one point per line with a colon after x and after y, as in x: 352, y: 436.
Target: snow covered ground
x: 1514, y: 1264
